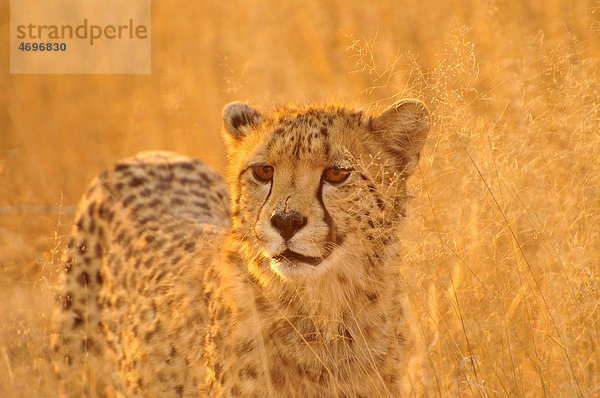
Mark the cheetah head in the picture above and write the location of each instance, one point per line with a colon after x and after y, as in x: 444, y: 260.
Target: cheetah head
x: 319, y: 189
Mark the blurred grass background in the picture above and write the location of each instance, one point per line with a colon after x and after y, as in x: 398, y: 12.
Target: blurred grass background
x: 502, y: 245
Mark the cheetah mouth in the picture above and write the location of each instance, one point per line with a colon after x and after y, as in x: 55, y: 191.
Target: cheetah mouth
x: 294, y: 257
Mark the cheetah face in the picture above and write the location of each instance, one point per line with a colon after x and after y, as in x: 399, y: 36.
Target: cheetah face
x: 307, y: 183
x: 299, y: 210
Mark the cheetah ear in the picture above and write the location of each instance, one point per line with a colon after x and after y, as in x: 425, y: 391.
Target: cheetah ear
x: 402, y: 129
x: 239, y: 119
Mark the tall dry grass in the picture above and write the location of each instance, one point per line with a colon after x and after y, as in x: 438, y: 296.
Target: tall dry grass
x: 502, y: 245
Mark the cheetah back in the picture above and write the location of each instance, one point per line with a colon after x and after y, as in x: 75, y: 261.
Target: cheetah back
x: 133, y: 266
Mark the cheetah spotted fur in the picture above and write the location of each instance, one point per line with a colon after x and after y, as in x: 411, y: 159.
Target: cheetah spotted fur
x: 281, y: 281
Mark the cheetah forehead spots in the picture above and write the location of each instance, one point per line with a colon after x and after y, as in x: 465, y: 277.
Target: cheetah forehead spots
x: 310, y: 135
x: 314, y: 133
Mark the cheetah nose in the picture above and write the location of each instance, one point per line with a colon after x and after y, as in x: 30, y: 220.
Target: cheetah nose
x: 288, y: 223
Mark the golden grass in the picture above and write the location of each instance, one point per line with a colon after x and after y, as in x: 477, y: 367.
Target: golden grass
x: 502, y: 244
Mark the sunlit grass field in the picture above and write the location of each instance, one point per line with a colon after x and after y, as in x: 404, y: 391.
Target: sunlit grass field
x: 502, y: 242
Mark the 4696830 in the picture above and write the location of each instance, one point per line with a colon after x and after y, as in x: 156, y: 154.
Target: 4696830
x: 43, y: 46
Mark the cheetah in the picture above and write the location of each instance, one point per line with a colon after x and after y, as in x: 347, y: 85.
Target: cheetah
x: 280, y: 280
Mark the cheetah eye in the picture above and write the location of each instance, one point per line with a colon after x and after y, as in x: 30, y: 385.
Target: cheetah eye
x: 336, y: 175
x: 262, y: 172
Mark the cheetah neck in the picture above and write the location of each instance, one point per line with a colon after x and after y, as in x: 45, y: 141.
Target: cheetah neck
x: 354, y: 296
x: 338, y: 333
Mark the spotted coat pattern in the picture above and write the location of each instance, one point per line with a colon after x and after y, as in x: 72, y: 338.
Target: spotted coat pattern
x: 169, y: 293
